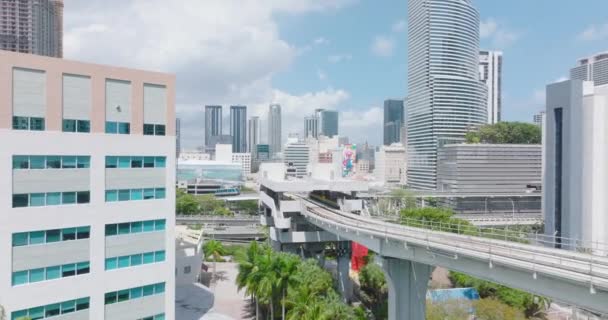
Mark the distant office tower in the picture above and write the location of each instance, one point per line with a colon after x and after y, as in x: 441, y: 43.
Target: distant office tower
x: 538, y: 118
x: 445, y: 97
x: 490, y: 73
x: 238, y: 128
x: 88, y: 200
x: 178, y: 137
x: 213, y: 123
x: 32, y: 26
x: 593, y: 68
x: 575, y: 172
x: 328, y: 123
x: 311, y: 127
x: 254, y: 134
x: 274, y: 128
x: 394, y: 117
x: 297, y: 156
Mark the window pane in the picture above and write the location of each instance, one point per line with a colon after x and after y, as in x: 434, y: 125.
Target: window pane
x: 137, y: 162
x: 37, y: 124
x: 148, y: 225
x: 160, y: 162
x: 84, y: 126
x: 37, y: 199
x: 148, y: 129
x: 148, y: 257
x: 124, y: 195
x: 148, y: 194
x: 136, y: 260
x: 20, y: 277
x: 83, y: 268
x: 111, y: 263
x: 21, y: 123
x: 52, y: 310
x: 136, y: 293
x: 53, y: 235
x: 159, y: 225
x: 68, y: 162
x: 68, y: 234
x: 124, y: 128
x: 160, y: 317
x: 124, y: 162
x: 159, y: 288
x: 148, y: 290
x: 68, y: 270
x: 111, y: 162
x: 83, y: 232
x: 160, y: 193
x: 110, y: 298
x: 137, y: 194
x: 159, y: 256
x: 111, y: 127
x: 37, y: 237
x: 37, y: 275
x: 36, y: 313
x: 159, y: 129
x: 68, y: 307
x: 83, y: 197
x: 20, y: 200
x: 68, y: 197
x: 69, y: 125
x: 111, y: 229
x: 148, y: 162
x: 124, y: 228
x: 21, y: 162
x: 124, y: 262
x: 20, y: 239
x: 53, y: 273
x: 53, y: 199
x: 136, y: 227
x: 37, y: 162
x: 82, y: 304
x: 123, y: 295
x: 84, y: 162
x: 111, y: 195
x: 53, y: 162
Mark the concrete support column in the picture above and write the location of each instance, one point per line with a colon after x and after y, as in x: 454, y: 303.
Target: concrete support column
x: 407, y: 284
x: 345, y: 284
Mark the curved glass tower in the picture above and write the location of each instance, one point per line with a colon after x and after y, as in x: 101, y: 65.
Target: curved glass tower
x: 445, y: 97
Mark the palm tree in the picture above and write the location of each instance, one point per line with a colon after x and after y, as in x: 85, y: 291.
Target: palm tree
x: 286, y: 267
x: 302, y: 303
x: 213, y: 249
x: 247, y: 265
x: 265, y: 277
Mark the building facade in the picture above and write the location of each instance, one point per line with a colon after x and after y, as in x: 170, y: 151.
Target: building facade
x: 213, y: 124
x: 490, y: 73
x: 274, y: 128
x: 311, y: 127
x: 297, y: 156
x: 391, y: 164
x: 254, y: 134
x: 87, y: 230
x: 445, y: 97
x: 238, y: 128
x: 576, y: 150
x: 328, y: 122
x: 33, y: 26
x: 594, y: 68
x: 394, y: 119
x: 178, y: 137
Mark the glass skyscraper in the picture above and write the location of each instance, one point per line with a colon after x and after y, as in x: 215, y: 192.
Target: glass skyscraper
x: 238, y: 128
x: 274, y: 128
x: 393, y: 121
x: 213, y: 123
x: 445, y: 96
x: 329, y: 122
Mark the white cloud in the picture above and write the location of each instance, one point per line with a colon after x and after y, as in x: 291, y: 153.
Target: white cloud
x: 399, y: 26
x: 321, y: 74
x: 222, y: 51
x: 337, y: 58
x: 497, y: 34
x: 320, y: 41
x: 383, y: 46
x: 594, y: 32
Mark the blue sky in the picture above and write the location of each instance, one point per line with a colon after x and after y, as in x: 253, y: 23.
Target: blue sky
x: 348, y: 55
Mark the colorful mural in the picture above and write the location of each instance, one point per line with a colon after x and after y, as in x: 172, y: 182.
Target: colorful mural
x: 349, y: 158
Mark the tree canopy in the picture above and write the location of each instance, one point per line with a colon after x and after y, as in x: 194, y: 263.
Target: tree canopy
x: 506, y: 133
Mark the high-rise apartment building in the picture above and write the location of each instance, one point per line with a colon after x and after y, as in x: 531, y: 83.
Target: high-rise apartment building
x: 394, y: 118
x: 274, y: 128
x: 445, y: 97
x: 490, y: 73
x: 297, y: 157
x: 238, y: 128
x: 575, y: 178
x: 32, y: 26
x: 213, y: 123
x: 254, y: 134
x: 594, y: 68
x: 328, y: 122
x: 88, y: 200
x: 311, y: 127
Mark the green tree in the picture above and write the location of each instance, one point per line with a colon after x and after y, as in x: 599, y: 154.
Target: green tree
x: 186, y: 203
x: 505, y: 132
x: 213, y: 249
x: 374, y: 290
x: 247, y: 264
x: 287, y: 265
x: 448, y: 310
x: 492, y: 309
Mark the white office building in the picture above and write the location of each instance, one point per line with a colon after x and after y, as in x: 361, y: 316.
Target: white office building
x: 575, y: 171
x: 391, y: 164
x: 274, y: 129
x: 594, y: 68
x: 296, y: 155
x: 445, y: 97
x: 254, y: 134
x: 88, y: 197
x: 490, y: 73
x: 224, y: 154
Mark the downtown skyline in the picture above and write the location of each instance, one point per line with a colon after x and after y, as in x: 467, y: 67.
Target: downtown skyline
x: 322, y: 65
